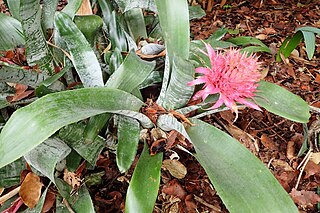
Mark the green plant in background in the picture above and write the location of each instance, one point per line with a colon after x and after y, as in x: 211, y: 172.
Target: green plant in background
x: 68, y: 124
x: 291, y: 42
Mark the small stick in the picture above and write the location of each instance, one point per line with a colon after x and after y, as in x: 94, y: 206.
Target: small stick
x: 9, y: 195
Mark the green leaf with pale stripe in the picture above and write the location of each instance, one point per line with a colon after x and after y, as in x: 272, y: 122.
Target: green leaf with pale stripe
x: 72, y: 135
x: 11, y: 34
x: 242, y: 181
x: 126, y: 5
x: 32, y: 124
x: 174, y: 21
x: 72, y: 7
x: 128, y: 139
x: 178, y: 92
x: 136, y: 25
x: 10, y: 174
x: 144, y: 185
x: 37, y: 50
x: 310, y: 41
x: 280, y: 101
x: 46, y: 155
x: 48, y: 10
x: 14, y: 8
x: 83, y: 57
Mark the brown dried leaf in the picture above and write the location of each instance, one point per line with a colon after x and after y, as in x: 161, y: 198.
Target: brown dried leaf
x: 280, y: 164
x: 85, y: 8
x: 290, y: 150
x: 21, y: 93
x: 30, y: 190
x: 174, y: 188
x: 72, y: 179
x: 311, y: 169
x: 315, y: 157
x: 304, y: 198
x: 175, y: 167
x: 268, y: 143
x: 49, y: 201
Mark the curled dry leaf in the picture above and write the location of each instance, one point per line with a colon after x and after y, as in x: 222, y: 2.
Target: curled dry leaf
x: 311, y: 169
x: 304, y: 198
x: 72, y: 179
x: 175, y: 167
x: 315, y: 157
x: 268, y: 143
x: 49, y: 201
x: 290, y: 150
x: 21, y: 93
x: 30, y: 190
x: 174, y: 188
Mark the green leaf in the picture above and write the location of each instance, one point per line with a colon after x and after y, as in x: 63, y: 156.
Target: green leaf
x: 248, y: 40
x: 175, y: 25
x: 218, y: 34
x: 14, y: 8
x: 79, y: 202
x: 48, y: 10
x: 136, y: 24
x: 144, y: 185
x: 255, y: 49
x: 89, y: 25
x: 309, y: 29
x: 16, y: 74
x: 10, y: 174
x: 178, y: 92
x: 32, y: 124
x: 289, y: 45
x: 280, y: 101
x: 131, y: 73
x: 310, y: 41
x: 83, y: 57
x: 115, y: 31
x: 37, y: 50
x: 46, y: 155
x: 128, y: 139
x: 72, y: 7
x: 10, y: 33
x: 196, y: 12
x: 243, y: 183
x: 126, y: 5
x: 73, y: 136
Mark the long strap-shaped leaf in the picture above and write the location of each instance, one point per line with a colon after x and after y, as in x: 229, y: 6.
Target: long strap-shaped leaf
x: 241, y: 180
x: 31, y: 125
x: 83, y: 57
x: 280, y: 101
x: 36, y: 47
x: 144, y: 185
x: 10, y: 32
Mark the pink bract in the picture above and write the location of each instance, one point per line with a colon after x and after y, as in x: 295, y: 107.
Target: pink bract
x: 233, y: 75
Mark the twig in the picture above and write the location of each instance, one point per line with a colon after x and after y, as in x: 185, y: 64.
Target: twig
x: 200, y: 200
x: 68, y: 206
x: 305, y: 160
x: 9, y: 195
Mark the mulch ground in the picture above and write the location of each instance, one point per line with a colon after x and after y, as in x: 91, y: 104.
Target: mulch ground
x: 274, y: 140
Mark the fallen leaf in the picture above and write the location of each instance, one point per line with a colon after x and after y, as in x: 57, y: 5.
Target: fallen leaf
x: 191, y: 204
x: 72, y: 179
x: 290, y: 150
x: 174, y: 188
x: 30, y: 190
x: 280, y: 164
x: 315, y: 157
x: 49, y: 201
x: 268, y: 143
x: 317, y: 80
x: 15, y: 206
x: 21, y: 93
x: 261, y: 36
x: 1, y: 190
x: 175, y: 167
x: 304, y: 198
x: 311, y: 169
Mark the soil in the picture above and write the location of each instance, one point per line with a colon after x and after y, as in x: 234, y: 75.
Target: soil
x: 274, y: 140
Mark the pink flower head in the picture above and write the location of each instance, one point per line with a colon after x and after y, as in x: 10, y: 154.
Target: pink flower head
x: 233, y: 75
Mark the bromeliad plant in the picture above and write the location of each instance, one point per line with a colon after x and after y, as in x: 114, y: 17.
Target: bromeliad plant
x: 67, y: 124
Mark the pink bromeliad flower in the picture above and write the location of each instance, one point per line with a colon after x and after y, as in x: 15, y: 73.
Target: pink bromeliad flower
x: 233, y: 75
